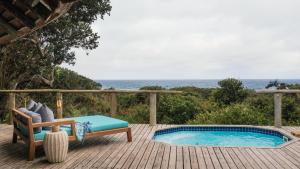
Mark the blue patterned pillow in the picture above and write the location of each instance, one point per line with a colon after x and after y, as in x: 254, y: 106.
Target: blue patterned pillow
x: 46, y: 114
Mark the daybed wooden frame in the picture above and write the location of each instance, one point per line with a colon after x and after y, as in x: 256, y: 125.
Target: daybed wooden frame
x: 32, y: 143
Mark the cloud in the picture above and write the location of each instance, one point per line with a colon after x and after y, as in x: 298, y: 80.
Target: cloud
x: 194, y: 39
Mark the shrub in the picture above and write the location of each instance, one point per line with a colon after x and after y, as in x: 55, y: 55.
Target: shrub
x: 135, y: 114
x: 230, y: 91
x: 176, y: 109
x: 290, y: 110
x: 234, y: 114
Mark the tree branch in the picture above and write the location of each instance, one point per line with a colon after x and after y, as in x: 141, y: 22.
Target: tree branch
x: 41, y: 79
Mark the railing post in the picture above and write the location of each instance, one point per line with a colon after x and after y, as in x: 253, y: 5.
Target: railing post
x: 152, y: 109
x: 59, y: 105
x: 113, y: 103
x: 12, y: 105
x: 277, y: 109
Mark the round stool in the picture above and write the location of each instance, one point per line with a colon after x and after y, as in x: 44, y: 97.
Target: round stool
x: 56, y: 145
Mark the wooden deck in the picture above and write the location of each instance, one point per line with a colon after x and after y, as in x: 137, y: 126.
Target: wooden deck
x: 116, y: 152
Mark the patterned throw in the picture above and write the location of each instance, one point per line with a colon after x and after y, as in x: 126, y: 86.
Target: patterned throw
x: 81, y: 129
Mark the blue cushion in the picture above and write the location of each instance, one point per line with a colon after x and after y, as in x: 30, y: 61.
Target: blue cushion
x: 40, y: 136
x: 99, y: 123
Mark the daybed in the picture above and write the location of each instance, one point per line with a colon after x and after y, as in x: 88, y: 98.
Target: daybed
x: 100, y: 126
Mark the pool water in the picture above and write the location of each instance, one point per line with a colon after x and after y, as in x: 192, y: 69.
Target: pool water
x: 221, y: 138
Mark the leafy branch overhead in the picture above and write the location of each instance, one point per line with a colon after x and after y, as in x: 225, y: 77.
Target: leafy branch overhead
x: 33, y: 58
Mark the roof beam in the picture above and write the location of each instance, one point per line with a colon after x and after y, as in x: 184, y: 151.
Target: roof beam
x: 48, y: 5
x: 8, y: 28
x: 18, y: 14
x: 32, y: 3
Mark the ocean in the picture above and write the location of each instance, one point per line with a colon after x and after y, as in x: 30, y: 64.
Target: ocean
x: 209, y: 83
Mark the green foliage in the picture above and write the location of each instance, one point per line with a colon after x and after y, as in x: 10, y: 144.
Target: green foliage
x: 199, y: 106
x: 230, y: 91
x: 290, y: 110
x: 194, y: 106
x: 75, y: 104
x: 67, y: 79
x: 241, y: 114
x: 135, y: 114
x: 73, y: 30
x: 276, y: 84
x: 262, y: 103
x: 176, y: 109
x: 293, y: 86
x: 127, y: 100
x: 204, y: 93
x: 152, y: 88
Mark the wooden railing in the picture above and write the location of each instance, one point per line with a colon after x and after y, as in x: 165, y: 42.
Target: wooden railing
x: 113, y: 99
x: 152, y: 101
x: 277, y: 103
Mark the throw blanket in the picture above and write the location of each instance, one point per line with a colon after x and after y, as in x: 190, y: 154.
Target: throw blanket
x: 81, y: 129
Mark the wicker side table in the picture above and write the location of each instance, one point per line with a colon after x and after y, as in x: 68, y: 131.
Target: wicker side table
x: 56, y: 145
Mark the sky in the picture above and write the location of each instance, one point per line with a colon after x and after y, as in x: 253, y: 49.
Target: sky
x: 195, y: 39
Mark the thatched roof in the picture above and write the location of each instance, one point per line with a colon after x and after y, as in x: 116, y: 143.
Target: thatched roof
x: 20, y: 17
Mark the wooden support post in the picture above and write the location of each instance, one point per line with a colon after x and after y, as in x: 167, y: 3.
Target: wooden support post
x: 152, y: 109
x: 12, y: 105
x: 59, y: 105
x: 277, y: 109
x: 113, y: 103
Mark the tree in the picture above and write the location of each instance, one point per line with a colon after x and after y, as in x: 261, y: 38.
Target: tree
x: 230, y: 91
x: 277, y: 85
x: 34, y: 57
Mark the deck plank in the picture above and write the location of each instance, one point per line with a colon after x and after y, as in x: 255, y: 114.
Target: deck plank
x: 166, y: 157
x: 285, y: 159
x: 200, y: 157
x: 221, y: 158
x: 116, y: 152
x: 236, y: 160
x: 79, y: 158
x: 214, y: 158
x: 179, y: 157
x: 159, y: 157
x: 242, y: 158
x: 290, y: 156
x: 255, y: 158
x: 127, y: 158
x: 151, y: 158
x: 119, y: 160
x: 206, y: 156
x: 269, y: 158
x: 117, y: 140
x: 145, y: 158
x: 186, y: 157
x: 193, y: 156
x: 172, y: 159
x: 103, y: 155
x: 228, y: 159
x: 139, y: 156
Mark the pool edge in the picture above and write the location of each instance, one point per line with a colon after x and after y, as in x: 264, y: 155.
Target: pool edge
x: 292, y: 138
